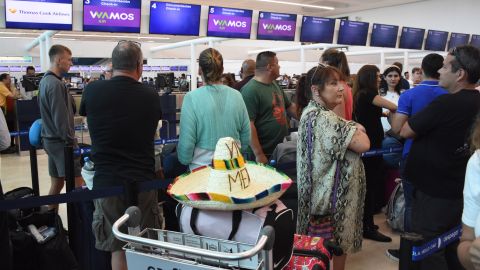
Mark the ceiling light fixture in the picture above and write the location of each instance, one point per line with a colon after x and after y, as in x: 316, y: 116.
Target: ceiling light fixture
x: 297, y: 4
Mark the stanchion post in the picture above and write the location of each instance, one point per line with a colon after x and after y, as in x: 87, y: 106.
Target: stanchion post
x: 70, y: 179
x: 407, y: 242
x: 34, y: 170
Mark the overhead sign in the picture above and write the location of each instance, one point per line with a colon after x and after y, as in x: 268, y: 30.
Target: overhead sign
x: 229, y: 22
x: 16, y: 60
x: 39, y: 14
x: 276, y: 26
x: 112, y: 15
x: 174, y: 18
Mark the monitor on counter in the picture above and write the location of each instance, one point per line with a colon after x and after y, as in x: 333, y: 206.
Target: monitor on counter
x: 39, y: 14
x: 112, y: 16
x: 458, y: 39
x: 412, y: 38
x: 475, y: 41
x: 229, y: 22
x: 174, y: 18
x: 353, y: 33
x: 436, y: 40
x: 276, y: 26
x: 316, y: 29
x: 384, y: 35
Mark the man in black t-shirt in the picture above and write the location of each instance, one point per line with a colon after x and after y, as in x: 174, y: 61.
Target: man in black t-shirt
x: 122, y: 116
x: 440, y: 151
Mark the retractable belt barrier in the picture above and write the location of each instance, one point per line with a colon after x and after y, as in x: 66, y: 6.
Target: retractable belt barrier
x: 25, y: 132
x: 86, y: 150
x: 371, y: 153
x: 83, y: 195
x: 436, y: 244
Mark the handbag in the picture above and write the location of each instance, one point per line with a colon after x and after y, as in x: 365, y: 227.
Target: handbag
x: 321, y: 226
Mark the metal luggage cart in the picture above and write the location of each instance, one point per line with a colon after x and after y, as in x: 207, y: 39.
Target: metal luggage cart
x: 154, y: 249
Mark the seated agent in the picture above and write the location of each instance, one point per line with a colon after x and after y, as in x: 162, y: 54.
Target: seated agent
x: 122, y: 116
x: 267, y: 107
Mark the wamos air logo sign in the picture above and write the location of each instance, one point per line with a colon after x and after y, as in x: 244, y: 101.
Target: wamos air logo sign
x: 222, y: 24
x: 112, y: 16
x: 269, y: 27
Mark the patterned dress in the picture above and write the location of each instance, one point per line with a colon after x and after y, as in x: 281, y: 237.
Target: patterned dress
x: 331, y: 136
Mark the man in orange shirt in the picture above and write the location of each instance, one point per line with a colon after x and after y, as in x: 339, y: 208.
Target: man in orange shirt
x: 4, y: 90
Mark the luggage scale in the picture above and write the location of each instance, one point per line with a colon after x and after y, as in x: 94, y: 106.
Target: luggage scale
x: 155, y: 249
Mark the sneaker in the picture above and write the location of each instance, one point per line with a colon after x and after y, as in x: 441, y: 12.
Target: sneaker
x: 393, y: 254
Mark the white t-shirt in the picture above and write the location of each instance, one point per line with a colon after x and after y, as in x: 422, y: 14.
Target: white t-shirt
x: 471, y: 194
x: 392, y: 97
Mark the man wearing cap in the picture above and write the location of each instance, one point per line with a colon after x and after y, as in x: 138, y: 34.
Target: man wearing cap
x: 438, y: 158
x: 267, y: 107
x: 122, y: 116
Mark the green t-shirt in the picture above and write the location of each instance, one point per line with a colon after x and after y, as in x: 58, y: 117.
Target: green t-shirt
x: 266, y: 105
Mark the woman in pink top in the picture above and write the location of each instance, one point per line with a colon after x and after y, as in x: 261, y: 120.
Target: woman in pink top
x: 338, y: 59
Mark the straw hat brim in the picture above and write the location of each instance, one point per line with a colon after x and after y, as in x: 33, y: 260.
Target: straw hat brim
x: 267, y: 186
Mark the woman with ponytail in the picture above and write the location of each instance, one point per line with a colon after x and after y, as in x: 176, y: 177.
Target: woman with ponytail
x: 209, y: 113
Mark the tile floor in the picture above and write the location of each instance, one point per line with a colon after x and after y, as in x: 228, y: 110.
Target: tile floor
x: 15, y: 172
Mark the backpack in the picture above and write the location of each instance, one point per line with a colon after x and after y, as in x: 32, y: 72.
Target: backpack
x: 243, y: 226
x: 396, y: 209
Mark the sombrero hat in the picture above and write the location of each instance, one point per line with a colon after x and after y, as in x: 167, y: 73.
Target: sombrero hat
x: 231, y: 183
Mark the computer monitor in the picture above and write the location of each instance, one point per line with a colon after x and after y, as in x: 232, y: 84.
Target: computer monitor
x: 412, y: 38
x: 229, y: 22
x: 316, y: 29
x: 276, y: 26
x: 475, y: 41
x: 353, y: 33
x: 30, y: 83
x: 436, y: 40
x: 458, y: 39
x: 174, y: 18
x: 76, y: 80
x: 384, y: 35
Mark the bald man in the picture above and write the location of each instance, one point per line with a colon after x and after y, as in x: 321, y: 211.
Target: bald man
x: 246, y: 73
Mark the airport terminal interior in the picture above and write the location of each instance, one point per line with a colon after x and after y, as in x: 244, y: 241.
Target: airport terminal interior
x: 173, y: 34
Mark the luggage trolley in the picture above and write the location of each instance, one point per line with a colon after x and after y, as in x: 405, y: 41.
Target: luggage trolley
x: 154, y: 249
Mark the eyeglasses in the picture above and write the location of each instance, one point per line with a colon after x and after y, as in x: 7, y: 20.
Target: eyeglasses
x: 320, y: 65
x: 456, y: 53
x: 130, y: 41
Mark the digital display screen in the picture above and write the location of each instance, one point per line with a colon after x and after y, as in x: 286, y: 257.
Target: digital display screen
x: 316, y: 29
x: 353, y: 33
x: 276, y: 26
x: 174, y: 18
x: 39, y: 14
x: 436, y: 40
x: 458, y: 39
x: 412, y: 38
x: 384, y: 35
x: 229, y: 22
x: 112, y: 15
x: 475, y: 41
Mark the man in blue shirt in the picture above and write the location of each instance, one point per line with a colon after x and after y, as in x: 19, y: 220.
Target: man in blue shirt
x: 411, y: 102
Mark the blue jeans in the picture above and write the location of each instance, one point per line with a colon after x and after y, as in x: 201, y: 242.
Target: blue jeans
x: 408, y: 194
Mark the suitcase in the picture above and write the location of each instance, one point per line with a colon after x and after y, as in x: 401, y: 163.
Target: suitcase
x: 312, y: 253
x: 88, y: 257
